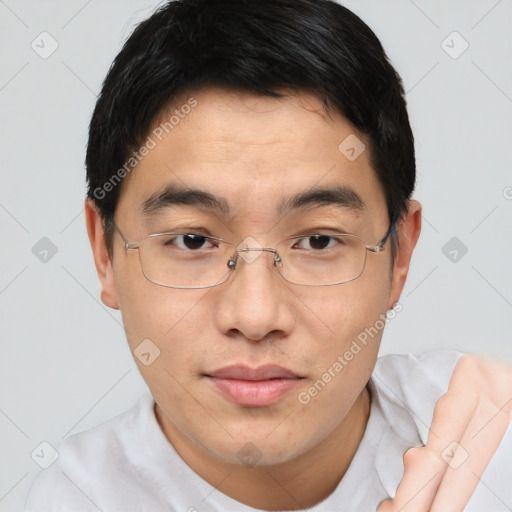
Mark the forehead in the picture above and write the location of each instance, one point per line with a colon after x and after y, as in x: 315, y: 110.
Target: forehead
x: 253, y: 151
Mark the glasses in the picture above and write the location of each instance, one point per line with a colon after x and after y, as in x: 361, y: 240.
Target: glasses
x: 192, y: 260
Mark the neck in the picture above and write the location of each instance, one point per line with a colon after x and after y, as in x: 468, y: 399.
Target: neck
x: 299, y: 483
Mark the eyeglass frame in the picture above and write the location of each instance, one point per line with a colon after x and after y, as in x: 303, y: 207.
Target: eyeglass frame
x: 231, y: 263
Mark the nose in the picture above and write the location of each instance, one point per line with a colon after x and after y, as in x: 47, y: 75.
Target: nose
x: 254, y: 301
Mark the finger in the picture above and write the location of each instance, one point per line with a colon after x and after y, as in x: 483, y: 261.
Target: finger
x: 422, y: 476
x: 454, y: 412
x: 386, y: 506
x: 468, y: 457
x: 451, y: 415
x: 483, y: 377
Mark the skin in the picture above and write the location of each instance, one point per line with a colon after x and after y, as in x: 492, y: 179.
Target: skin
x: 254, y: 151
x: 475, y: 413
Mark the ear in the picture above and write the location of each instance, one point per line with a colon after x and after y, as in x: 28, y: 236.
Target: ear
x: 102, y: 261
x: 408, y: 232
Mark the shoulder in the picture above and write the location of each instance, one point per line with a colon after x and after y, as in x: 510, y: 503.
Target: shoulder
x: 84, y: 459
x: 54, y: 491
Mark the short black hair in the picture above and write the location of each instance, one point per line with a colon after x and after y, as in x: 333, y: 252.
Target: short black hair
x: 257, y: 46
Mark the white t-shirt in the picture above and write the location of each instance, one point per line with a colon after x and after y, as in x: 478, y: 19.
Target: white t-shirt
x: 127, y: 464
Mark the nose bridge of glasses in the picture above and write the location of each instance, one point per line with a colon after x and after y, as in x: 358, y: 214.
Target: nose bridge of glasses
x: 251, y: 254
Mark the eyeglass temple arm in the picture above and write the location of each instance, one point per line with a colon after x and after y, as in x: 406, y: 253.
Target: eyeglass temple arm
x: 127, y: 245
x: 380, y: 246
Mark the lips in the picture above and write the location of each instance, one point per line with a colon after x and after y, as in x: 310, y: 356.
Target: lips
x: 254, y: 387
x: 241, y: 372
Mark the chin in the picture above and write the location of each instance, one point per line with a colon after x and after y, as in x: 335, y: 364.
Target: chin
x: 260, y: 449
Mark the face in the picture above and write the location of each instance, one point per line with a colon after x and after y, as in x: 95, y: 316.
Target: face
x: 241, y: 362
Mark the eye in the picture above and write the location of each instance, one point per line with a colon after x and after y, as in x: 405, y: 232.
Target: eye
x: 317, y: 242
x: 190, y: 242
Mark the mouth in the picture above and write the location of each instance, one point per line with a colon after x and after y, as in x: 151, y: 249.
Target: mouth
x: 254, y: 387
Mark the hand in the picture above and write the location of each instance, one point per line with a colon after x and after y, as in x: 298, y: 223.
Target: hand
x: 469, y: 423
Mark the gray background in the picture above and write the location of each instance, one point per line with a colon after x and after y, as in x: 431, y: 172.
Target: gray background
x: 65, y: 366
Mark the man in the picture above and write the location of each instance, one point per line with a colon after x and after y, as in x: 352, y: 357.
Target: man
x: 250, y: 169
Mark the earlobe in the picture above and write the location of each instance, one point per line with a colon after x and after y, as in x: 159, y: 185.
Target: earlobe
x: 96, y: 233
x: 409, y: 230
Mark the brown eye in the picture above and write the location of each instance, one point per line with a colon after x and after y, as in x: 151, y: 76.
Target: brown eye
x: 319, y: 241
x: 193, y: 241
x: 187, y: 241
x: 316, y: 242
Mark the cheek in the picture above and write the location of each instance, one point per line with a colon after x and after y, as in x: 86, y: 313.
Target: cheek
x: 345, y: 328
x: 334, y: 392
x: 342, y: 361
x: 164, y: 335
x: 166, y: 316
x: 338, y: 314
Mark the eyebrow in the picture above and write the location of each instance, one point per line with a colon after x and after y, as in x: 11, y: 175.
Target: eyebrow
x: 176, y: 195
x: 338, y: 196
